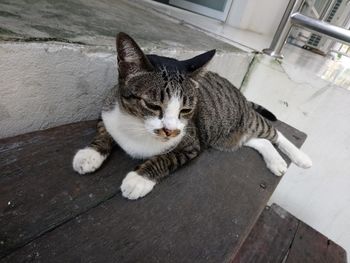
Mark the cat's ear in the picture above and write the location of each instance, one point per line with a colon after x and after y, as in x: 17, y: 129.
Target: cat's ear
x: 131, y: 59
x: 196, y: 65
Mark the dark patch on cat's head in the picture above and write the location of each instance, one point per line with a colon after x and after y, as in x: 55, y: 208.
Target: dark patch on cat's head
x: 132, y: 60
x: 197, y: 63
x: 174, y: 66
x: 148, y: 82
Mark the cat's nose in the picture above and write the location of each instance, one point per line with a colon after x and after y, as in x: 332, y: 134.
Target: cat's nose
x: 171, y: 133
x: 167, y: 132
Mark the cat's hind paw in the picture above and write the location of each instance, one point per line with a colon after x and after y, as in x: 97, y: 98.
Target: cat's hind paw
x: 302, y: 160
x: 87, y: 160
x: 135, y: 186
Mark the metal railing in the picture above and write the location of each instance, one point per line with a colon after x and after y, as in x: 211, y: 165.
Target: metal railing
x: 292, y: 17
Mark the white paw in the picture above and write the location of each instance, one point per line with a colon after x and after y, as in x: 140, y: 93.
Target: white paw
x: 87, y: 160
x: 302, y: 160
x: 277, y: 166
x: 135, y: 186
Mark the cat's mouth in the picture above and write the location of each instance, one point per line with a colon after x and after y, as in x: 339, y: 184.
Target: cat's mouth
x: 166, y: 134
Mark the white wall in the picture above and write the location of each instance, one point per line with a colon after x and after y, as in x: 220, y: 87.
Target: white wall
x: 299, y: 94
x: 262, y: 17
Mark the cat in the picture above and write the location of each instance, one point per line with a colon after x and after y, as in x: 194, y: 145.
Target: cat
x: 168, y: 111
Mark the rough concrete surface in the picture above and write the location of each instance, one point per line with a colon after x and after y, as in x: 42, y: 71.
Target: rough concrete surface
x: 57, y: 58
x: 96, y: 22
x: 44, y: 84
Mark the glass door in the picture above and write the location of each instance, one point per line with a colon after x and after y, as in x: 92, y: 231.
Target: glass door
x: 216, y: 9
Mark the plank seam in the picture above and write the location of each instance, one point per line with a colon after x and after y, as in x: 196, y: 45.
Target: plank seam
x: 284, y: 260
x: 57, y: 226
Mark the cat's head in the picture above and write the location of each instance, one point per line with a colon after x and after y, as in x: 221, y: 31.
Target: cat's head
x: 160, y: 91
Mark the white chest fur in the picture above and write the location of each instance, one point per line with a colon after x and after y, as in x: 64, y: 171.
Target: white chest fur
x: 130, y: 133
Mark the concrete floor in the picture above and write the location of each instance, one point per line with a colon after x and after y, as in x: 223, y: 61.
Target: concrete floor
x: 245, y: 40
x: 95, y: 22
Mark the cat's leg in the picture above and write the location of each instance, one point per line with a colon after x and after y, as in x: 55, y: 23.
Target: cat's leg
x: 272, y: 158
x: 265, y: 130
x: 90, y: 158
x: 141, y: 181
x: 295, y: 155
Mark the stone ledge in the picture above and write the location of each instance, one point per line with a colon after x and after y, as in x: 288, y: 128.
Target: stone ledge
x: 57, y: 58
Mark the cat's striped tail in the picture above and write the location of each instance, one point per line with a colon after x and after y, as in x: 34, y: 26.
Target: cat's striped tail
x: 263, y: 111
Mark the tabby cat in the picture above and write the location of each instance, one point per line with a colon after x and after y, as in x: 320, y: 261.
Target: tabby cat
x: 168, y: 111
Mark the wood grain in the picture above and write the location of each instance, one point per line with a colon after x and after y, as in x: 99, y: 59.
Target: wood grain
x: 311, y: 246
x: 279, y: 237
x: 202, y: 213
x: 270, y: 237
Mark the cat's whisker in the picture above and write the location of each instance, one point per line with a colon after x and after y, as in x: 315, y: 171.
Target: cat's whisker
x: 135, y: 129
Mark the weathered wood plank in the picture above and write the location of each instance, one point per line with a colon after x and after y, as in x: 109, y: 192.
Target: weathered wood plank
x: 311, y: 246
x: 280, y: 237
x: 40, y: 190
x: 270, y: 237
x: 200, y: 214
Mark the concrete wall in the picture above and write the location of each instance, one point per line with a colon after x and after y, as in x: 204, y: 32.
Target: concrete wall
x: 48, y: 84
x: 42, y: 85
x: 56, y: 66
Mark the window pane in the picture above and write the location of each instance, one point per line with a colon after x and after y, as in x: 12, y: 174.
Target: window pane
x: 218, y: 5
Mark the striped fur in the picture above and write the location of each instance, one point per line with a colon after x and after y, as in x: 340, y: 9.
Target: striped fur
x: 102, y: 142
x: 211, y: 113
x: 263, y: 111
x: 226, y: 120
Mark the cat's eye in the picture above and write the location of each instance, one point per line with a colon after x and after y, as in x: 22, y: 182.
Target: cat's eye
x: 151, y: 106
x: 185, y: 111
x: 130, y: 96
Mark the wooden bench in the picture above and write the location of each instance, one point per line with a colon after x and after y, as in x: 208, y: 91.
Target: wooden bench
x: 278, y: 236
x: 202, y: 213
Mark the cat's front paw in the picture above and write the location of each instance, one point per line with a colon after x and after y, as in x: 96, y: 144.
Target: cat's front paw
x: 87, y: 160
x: 135, y: 186
x: 277, y: 166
